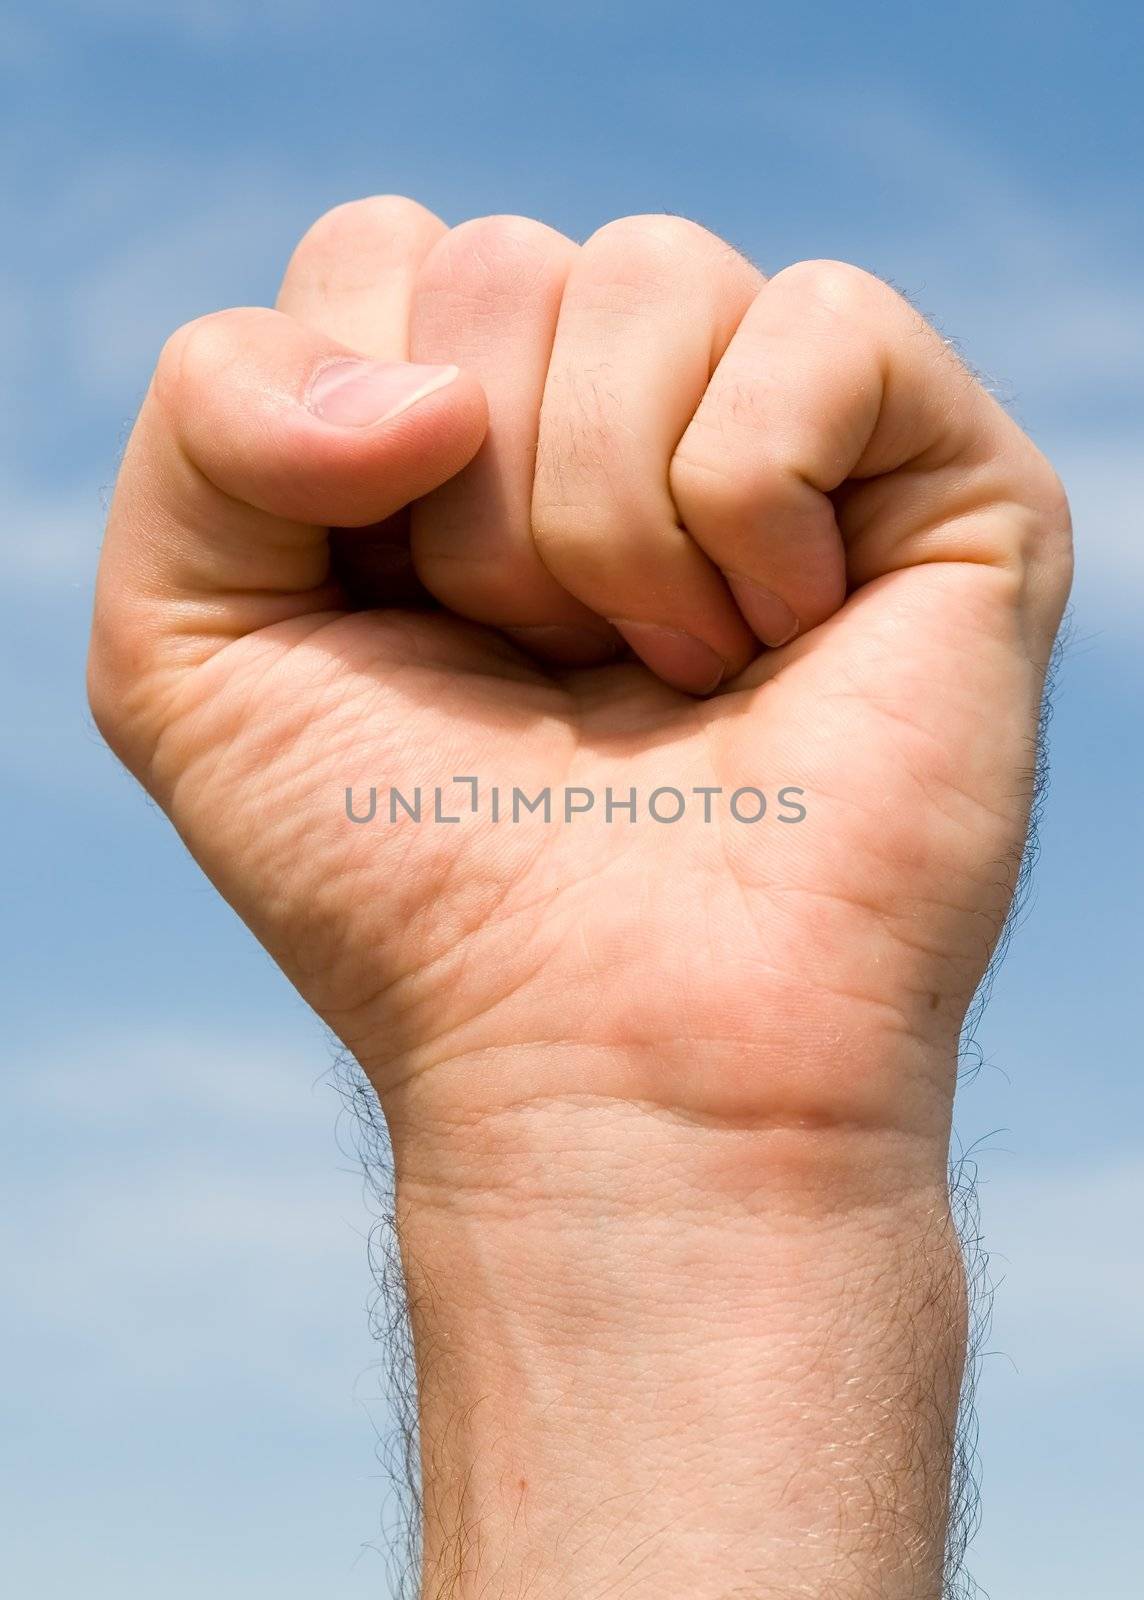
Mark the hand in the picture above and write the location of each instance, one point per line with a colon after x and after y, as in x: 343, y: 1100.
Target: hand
x: 678, y: 459
x: 231, y: 678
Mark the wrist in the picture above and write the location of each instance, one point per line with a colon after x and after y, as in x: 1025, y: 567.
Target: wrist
x: 734, y: 1350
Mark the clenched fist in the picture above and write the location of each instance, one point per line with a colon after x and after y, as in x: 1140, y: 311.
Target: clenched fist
x: 484, y: 504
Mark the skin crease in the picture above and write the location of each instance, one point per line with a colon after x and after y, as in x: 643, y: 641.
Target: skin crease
x: 639, y: 424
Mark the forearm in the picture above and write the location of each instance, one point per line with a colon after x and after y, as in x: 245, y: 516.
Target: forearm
x: 662, y: 1357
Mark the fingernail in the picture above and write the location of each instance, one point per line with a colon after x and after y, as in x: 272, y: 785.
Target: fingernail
x: 770, y: 618
x: 569, y: 646
x: 360, y: 394
x: 677, y: 657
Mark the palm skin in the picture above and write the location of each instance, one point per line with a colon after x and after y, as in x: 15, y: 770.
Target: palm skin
x: 710, y: 968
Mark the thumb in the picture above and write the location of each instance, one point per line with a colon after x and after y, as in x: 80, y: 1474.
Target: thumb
x: 256, y: 436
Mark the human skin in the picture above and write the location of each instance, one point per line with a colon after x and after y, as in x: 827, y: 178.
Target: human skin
x: 670, y: 1105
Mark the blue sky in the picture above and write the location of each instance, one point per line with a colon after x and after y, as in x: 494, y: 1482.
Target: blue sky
x: 189, y: 1398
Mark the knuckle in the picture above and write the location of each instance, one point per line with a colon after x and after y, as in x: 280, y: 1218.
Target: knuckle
x: 631, y: 250
x: 384, y: 224
x: 838, y: 287
x: 169, y: 384
x: 1051, y: 494
x: 652, y: 230
x: 195, y: 353
x: 495, y: 256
